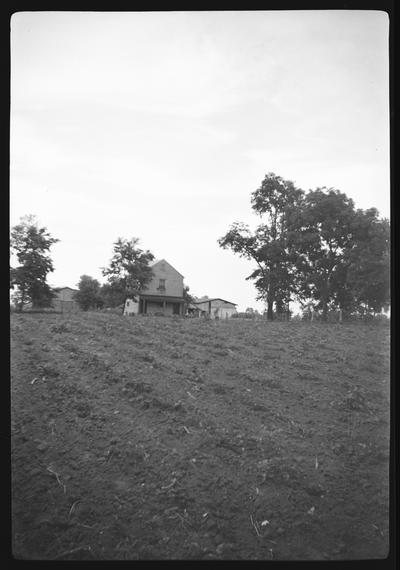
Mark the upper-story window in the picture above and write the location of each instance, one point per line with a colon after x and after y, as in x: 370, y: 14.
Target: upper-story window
x: 161, y: 285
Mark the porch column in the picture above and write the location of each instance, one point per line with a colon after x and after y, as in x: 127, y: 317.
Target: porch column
x: 164, y: 306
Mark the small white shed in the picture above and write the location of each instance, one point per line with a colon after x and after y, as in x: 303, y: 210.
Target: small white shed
x: 131, y: 307
x: 216, y: 308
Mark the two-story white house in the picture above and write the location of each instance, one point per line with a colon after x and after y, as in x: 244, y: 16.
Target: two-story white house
x: 164, y: 293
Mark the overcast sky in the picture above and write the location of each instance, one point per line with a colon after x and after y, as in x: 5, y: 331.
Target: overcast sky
x: 159, y: 125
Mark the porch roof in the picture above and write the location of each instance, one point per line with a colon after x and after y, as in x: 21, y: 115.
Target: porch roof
x: 160, y: 298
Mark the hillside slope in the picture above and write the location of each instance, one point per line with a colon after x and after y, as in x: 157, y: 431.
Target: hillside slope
x: 139, y: 438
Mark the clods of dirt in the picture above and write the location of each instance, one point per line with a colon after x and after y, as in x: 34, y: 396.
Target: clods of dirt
x: 150, y: 438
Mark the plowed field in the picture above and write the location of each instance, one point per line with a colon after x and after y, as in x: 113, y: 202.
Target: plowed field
x: 171, y: 438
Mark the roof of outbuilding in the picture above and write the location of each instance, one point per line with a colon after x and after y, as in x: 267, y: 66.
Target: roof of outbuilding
x: 214, y: 299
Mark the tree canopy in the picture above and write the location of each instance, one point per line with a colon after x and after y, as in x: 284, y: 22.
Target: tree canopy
x: 88, y: 294
x: 322, y: 234
x: 368, y: 275
x: 31, y: 244
x: 314, y: 247
x: 128, y: 271
x: 274, y: 277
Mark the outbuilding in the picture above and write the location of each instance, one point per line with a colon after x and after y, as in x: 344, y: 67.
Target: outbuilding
x: 64, y: 301
x: 216, y: 308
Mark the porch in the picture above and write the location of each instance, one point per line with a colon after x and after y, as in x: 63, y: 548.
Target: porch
x: 153, y: 304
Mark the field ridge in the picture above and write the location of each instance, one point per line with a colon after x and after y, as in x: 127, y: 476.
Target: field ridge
x: 171, y: 438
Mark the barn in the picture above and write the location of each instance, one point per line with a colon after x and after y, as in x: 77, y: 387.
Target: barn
x: 216, y: 308
x: 64, y: 300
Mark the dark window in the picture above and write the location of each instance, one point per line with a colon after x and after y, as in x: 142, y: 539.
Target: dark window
x: 161, y: 285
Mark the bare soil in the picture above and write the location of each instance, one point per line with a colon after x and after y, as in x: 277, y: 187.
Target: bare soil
x: 172, y: 438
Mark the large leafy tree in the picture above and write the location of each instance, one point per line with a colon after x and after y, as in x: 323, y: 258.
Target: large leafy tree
x: 343, y: 254
x: 128, y: 271
x: 88, y: 294
x: 275, y: 201
x: 30, y: 244
x: 321, y: 237
x: 316, y: 248
x: 368, y: 275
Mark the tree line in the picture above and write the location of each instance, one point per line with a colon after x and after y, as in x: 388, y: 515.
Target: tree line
x: 315, y: 248
x: 312, y: 247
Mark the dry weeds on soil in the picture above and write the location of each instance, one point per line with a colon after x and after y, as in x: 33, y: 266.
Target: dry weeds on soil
x: 139, y: 438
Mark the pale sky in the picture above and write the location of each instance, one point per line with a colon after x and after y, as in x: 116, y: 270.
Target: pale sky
x: 159, y: 125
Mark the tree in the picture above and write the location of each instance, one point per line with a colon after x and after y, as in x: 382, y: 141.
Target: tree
x: 88, y: 294
x: 274, y: 277
x: 343, y: 257
x: 315, y: 248
x: 320, y: 237
x: 31, y: 244
x: 186, y: 295
x: 129, y: 270
x: 368, y: 275
x: 112, y: 295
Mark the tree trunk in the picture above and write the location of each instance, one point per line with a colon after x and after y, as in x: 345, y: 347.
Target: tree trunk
x: 270, y: 311
x: 324, y: 300
x: 20, y: 305
x: 324, y: 315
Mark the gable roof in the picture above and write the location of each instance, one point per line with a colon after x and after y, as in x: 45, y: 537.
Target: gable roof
x: 63, y: 289
x: 213, y: 299
x: 157, y: 261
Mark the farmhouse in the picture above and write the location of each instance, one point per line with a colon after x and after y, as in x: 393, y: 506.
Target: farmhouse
x: 164, y: 293
x: 64, y: 300
x: 216, y: 308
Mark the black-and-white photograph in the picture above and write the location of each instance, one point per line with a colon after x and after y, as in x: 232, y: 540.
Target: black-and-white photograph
x: 200, y: 285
